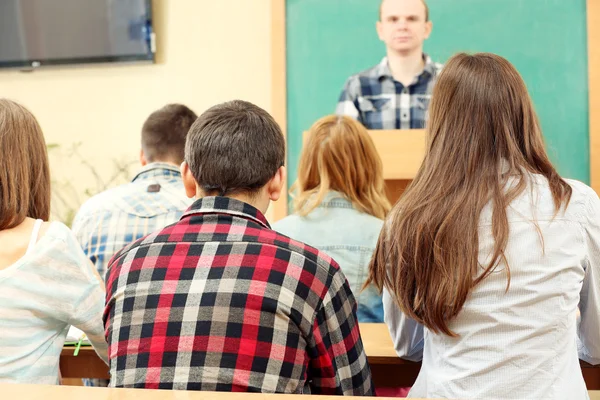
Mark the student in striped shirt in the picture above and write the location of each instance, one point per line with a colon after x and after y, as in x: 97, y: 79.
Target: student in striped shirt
x: 154, y: 198
x: 46, y: 282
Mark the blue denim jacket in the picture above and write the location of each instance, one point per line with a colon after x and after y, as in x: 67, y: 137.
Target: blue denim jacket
x: 349, y: 237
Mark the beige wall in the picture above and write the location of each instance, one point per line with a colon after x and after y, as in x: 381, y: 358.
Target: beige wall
x: 208, y: 52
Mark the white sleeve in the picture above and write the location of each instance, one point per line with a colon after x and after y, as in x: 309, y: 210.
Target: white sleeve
x: 88, y: 307
x: 589, y: 303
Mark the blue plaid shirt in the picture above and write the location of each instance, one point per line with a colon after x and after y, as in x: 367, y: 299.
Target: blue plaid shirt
x: 378, y: 101
x: 111, y: 220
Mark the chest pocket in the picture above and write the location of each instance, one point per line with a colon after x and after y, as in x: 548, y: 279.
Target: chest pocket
x: 421, y: 101
x: 377, y: 112
x: 374, y: 103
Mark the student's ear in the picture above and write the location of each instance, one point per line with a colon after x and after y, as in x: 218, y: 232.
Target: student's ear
x: 189, y: 183
x: 143, y: 160
x: 276, y: 184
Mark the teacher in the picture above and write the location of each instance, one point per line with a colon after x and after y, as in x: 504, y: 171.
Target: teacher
x: 395, y: 93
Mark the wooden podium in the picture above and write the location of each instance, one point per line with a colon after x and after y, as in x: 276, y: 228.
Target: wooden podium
x: 401, y: 152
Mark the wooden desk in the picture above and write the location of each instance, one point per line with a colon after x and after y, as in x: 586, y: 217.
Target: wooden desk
x: 86, y: 364
x: 48, y: 392
x: 387, y: 368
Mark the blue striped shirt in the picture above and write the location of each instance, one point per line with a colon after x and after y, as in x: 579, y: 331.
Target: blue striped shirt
x: 50, y: 288
x: 113, y: 219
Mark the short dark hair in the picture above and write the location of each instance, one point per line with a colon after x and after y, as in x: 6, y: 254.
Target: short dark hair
x: 164, y: 133
x: 424, y: 3
x: 234, y: 147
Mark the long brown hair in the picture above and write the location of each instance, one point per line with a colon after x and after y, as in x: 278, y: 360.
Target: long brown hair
x: 484, y: 140
x: 24, y: 171
x: 340, y: 155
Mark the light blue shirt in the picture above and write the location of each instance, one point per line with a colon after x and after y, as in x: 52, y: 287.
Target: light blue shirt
x: 113, y: 219
x: 525, y: 343
x: 349, y: 237
x: 50, y: 288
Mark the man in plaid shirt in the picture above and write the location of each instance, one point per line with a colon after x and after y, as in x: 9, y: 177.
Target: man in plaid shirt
x: 218, y: 300
x: 395, y: 93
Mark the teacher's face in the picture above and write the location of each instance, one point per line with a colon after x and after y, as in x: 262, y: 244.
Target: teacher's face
x: 403, y: 26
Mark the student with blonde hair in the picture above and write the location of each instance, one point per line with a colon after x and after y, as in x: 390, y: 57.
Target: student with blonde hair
x: 46, y: 282
x: 489, y: 254
x: 340, y: 203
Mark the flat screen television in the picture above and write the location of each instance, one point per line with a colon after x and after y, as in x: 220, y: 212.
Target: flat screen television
x: 36, y: 33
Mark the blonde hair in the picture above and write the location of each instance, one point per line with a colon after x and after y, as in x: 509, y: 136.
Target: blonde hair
x: 340, y: 155
x: 24, y: 171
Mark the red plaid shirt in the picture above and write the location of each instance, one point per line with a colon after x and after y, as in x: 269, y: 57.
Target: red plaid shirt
x: 219, y: 301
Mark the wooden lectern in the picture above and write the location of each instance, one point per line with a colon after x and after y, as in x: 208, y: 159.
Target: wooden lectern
x: 401, y: 152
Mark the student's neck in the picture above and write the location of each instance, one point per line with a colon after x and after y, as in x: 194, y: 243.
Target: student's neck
x: 259, y: 201
x: 170, y: 162
x: 406, y: 66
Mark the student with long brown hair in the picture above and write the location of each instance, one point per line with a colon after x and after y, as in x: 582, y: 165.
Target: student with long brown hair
x: 487, y: 257
x: 340, y: 203
x: 46, y: 282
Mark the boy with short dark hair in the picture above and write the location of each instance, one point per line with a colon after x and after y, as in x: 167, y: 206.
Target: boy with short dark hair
x: 218, y: 300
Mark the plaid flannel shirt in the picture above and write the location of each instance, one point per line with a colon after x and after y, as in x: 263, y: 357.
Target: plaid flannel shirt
x: 378, y: 101
x: 219, y: 301
x: 115, y: 218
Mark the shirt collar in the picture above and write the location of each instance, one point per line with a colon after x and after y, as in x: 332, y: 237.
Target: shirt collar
x: 382, y: 70
x: 157, y: 170
x: 226, y: 205
x: 335, y: 199
x: 335, y: 195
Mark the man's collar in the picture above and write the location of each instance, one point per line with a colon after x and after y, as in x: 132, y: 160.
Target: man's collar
x: 382, y: 70
x: 226, y: 205
x: 429, y: 65
x: 157, y: 169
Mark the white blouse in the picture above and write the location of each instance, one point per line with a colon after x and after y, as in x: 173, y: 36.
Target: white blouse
x: 526, y: 343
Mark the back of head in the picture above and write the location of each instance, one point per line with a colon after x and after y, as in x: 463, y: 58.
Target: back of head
x: 234, y: 148
x: 340, y: 155
x: 24, y: 171
x: 164, y: 133
x: 484, y: 140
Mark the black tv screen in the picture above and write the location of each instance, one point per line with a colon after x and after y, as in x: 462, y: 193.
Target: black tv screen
x: 35, y: 33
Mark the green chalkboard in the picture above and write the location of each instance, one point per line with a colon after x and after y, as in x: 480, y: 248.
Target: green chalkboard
x: 328, y: 40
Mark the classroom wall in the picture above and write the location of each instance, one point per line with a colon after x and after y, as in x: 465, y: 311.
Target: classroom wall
x: 208, y: 52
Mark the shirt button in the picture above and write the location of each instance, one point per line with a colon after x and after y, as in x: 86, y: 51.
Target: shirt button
x: 405, y: 90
